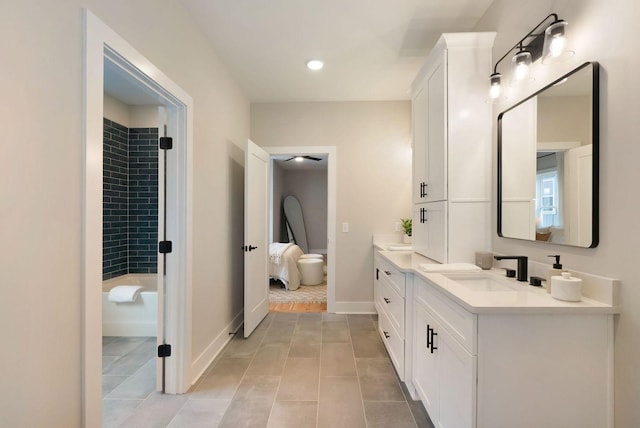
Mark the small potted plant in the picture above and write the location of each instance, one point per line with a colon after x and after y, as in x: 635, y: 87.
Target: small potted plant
x: 406, y: 226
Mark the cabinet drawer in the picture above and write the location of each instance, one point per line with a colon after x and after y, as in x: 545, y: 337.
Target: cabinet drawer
x: 393, y: 342
x: 392, y: 304
x: 394, y: 276
x: 461, y: 324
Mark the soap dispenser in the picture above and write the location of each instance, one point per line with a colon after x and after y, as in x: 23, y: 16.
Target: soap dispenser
x: 556, y: 270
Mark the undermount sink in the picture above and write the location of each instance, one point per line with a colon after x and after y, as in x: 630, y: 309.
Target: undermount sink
x: 483, y: 282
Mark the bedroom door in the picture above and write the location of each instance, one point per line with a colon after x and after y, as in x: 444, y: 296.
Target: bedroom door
x: 256, y: 229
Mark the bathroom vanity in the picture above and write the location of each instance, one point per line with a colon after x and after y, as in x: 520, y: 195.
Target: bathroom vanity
x: 482, y: 350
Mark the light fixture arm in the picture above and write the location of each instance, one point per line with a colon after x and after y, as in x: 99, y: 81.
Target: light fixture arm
x: 531, y: 33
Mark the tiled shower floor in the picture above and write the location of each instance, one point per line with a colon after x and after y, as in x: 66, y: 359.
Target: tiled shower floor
x: 295, y: 370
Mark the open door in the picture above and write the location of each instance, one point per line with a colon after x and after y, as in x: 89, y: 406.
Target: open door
x: 256, y: 228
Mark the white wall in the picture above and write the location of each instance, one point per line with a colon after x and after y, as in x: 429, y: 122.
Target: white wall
x: 373, y: 141
x: 41, y: 190
x: 139, y: 116
x: 603, y: 31
x: 277, y: 196
x: 310, y: 187
x: 116, y: 110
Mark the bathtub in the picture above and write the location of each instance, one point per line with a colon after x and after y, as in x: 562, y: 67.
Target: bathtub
x: 139, y: 318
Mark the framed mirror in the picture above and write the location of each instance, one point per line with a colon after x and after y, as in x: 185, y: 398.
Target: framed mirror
x: 548, y: 147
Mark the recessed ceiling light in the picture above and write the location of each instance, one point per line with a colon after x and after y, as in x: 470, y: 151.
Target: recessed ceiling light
x: 315, y: 64
x: 299, y: 158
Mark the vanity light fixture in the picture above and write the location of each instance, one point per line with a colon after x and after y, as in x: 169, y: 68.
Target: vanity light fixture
x: 548, y: 44
x: 315, y: 64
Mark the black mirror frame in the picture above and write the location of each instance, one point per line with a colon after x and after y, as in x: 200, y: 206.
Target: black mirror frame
x: 595, y: 135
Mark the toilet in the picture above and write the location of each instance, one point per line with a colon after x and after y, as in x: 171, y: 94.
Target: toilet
x: 311, y: 271
x: 311, y: 256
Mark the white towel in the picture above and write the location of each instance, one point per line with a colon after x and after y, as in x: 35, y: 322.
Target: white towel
x: 449, y: 267
x: 400, y: 248
x: 276, y: 250
x: 124, y: 293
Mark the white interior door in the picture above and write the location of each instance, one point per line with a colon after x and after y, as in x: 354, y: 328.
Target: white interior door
x: 256, y: 228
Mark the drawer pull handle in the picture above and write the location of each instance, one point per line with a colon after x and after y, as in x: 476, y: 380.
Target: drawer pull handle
x: 430, y: 342
x: 388, y: 273
x: 386, y: 334
x: 387, y: 300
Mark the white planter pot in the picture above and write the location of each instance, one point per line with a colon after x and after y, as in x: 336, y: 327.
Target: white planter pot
x: 406, y: 239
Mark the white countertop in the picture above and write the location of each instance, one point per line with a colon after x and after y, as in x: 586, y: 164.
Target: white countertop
x: 522, y: 298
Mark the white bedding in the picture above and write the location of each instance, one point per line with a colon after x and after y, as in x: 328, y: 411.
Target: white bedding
x: 287, y: 268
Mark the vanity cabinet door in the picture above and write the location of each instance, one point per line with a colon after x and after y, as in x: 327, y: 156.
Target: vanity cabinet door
x: 457, y: 381
x: 430, y: 230
x: 430, y: 136
x: 425, y: 362
x: 436, y: 189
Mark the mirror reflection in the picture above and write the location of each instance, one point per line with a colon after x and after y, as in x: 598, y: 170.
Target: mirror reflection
x: 547, y: 163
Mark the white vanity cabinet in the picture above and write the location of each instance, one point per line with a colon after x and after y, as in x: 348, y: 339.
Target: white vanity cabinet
x: 389, y: 295
x: 452, y: 148
x: 510, y: 369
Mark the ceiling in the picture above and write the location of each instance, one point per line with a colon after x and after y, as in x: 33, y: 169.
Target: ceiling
x: 285, y: 162
x: 372, y: 49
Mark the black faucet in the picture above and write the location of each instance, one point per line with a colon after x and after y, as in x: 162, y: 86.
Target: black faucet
x: 522, y: 265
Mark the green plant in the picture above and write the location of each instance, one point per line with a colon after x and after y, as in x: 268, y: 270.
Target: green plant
x: 406, y: 225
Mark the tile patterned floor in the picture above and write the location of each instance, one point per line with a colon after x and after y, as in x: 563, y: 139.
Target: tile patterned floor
x: 295, y: 370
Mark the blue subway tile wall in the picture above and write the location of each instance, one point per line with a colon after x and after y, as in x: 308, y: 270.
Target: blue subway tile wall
x: 143, y: 200
x: 130, y: 198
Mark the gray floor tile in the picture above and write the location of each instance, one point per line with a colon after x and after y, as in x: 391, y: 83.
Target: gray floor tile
x: 367, y: 344
x: 420, y: 414
x: 114, y: 412
x: 137, y: 386
x: 107, y: 361
x: 127, y: 364
x: 375, y: 367
x: 293, y: 414
x: 110, y: 382
x: 216, y: 387
x: 361, y: 322
x: 385, y: 415
x: 240, y: 347
x: 340, y: 403
x: 335, y: 332
x: 257, y: 388
x: 108, y: 339
x: 156, y: 411
x: 230, y: 366
x: 304, y: 350
x: 269, y: 360
x: 311, y: 333
x: 120, y: 346
x: 279, y: 333
x: 300, y: 380
x: 381, y: 388
x: 285, y: 317
x: 246, y: 414
x: 337, y: 360
x: 200, y: 414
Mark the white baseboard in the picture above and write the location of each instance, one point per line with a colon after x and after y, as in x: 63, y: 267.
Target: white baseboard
x: 355, y: 308
x: 203, y: 361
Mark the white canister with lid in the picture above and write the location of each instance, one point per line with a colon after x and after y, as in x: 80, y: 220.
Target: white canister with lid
x: 566, y: 287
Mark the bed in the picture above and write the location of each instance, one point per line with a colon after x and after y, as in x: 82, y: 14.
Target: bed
x: 283, y: 265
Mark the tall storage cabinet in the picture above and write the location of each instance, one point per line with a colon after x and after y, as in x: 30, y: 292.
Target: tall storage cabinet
x: 452, y: 149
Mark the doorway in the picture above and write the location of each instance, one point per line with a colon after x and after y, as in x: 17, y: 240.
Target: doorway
x: 104, y: 49
x: 313, y: 183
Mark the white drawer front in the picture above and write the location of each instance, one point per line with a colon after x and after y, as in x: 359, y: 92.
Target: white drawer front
x: 460, y: 323
x: 395, y: 277
x: 392, y: 304
x: 393, y: 342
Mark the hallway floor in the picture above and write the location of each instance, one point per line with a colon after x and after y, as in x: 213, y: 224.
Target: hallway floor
x: 295, y: 370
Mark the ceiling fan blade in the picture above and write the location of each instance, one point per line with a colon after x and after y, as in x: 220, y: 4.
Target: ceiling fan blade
x: 287, y: 160
x: 312, y: 158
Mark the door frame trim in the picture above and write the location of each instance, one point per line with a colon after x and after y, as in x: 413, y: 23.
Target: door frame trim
x: 331, y: 152
x: 101, y: 42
